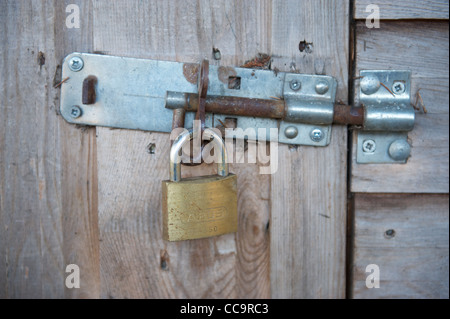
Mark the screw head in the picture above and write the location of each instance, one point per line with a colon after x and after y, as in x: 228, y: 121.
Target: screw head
x: 295, y: 85
x: 309, y: 48
x: 369, y: 146
x: 151, y: 148
x: 322, y: 87
x: 291, y: 132
x: 399, y: 150
x: 75, y: 112
x: 370, y: 84
x: 316, y: 135
x: 389, y: 234
x: 76, y: 64
x: 217, y: 54
x: 398, y: 87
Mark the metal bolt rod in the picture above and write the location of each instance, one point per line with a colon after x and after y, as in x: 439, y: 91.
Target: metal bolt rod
x: 275, y: 109
x: 238, y: 106
x: 348, y: 115
x: 178, y: 118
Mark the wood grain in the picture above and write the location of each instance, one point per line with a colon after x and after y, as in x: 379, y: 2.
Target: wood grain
x: 423, y: 49
x: 414, y: 263
x: 308, y: 211
x: 135, y: 261
x: 47, y: 179
x: 407, y: 9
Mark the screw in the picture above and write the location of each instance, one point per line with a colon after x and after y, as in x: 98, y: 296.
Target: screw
x: 151, y: 148
x: 316, y: 135
x: 295, y: 85
x: 217, y: 54
x: 390, y: 233
x: 369, y: 146
x: 322, y: 87
x: 398, y: 87
x: 76, y: 64
x: 370, y: 84
x: 75, y: 112
x: 291, y: 132
x: 399, y: 150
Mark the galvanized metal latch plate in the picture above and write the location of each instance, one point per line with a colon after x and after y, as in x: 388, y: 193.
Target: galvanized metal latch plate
x: 389, y: 116
x: 131, y: 93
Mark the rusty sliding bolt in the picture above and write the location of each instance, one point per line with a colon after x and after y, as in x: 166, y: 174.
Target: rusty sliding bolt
x: 348, y: 115
x: 238, y: 106
x: 275, y: 109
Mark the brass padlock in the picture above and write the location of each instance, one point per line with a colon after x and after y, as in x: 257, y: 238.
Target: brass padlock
x: 199, y: 207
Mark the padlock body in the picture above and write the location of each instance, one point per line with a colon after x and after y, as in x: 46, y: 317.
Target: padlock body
x: 199, y: 207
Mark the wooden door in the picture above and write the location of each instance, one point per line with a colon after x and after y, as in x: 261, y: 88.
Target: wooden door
x: 400, y: 213
x: 92, y: 196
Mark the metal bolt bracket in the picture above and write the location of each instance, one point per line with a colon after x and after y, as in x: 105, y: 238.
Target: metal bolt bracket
x: 141, y: 94
x: 309, y: 111
x: 389, y: 117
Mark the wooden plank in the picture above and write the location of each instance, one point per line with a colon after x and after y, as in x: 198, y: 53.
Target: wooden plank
x: 422, y: 48
x: 414, y: 263
x: 309, y: 189
x: 79, y: 191
x: 407, y: 9
x: 47, y: 184
x: 135, y: 261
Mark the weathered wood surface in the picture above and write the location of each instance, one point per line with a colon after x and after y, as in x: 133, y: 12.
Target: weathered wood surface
x: 424, y: 49
x: 406, y: 9
x: 135, y: 261
x: 48, y: 192
x: 49, y: 197
x: 414, y: 263
x: 233, y: 265
x: 308, y: 200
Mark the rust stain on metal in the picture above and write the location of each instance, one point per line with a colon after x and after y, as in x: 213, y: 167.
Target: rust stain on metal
x: 88, y: 94
x: 348, y: 115
x: 261, y: 61
x: 190, y: 72
x: 225, y: 72
x: 266, y: 108
x: 239, y: 106
x: 178, y: 118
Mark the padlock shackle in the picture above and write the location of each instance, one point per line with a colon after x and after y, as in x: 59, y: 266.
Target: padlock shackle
x: 187, y: 136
